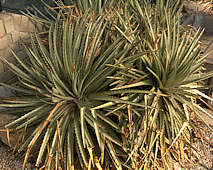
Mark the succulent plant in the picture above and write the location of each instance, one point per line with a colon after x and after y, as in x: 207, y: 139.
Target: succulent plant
x: 112, y: 88
x: 168, y: 78
x: 55, y: 95
x: 50, y: 12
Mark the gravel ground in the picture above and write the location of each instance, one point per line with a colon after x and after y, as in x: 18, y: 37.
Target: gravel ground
x: 204, y: 146
x: 203, y: 160
x: 10, y: 161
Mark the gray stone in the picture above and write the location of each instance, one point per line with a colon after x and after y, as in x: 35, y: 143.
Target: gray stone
x: 31, y: 27
x: 9, y: 25
x: 6, y: 52
x: 208, y: 24
x: 5, y: 119
x: 39, y: 27
x: 24, y: 35
x: 2, y: 30
x: 15, y: 36
x: 23, y: 27
x: 5, y: 41
x: 5, y: 92
x: 1, y: 53
x: 17, y: 21
x: 207, y: 44
x: 1, y: 67
x: 199, y: 20
x: 209, y: 50
x: 188, y: 20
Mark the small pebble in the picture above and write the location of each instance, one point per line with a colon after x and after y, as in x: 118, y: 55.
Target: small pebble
x: 9, y: 161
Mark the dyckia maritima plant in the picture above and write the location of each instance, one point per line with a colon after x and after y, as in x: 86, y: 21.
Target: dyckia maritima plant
x: 55, y: 88
x: 112, y: 88
x: 77, y: 7
x: 168, y: 78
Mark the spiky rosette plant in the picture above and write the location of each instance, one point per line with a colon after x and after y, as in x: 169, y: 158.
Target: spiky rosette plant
x: 168, y: 78
x: 50, y: 13
x: 55, y: 89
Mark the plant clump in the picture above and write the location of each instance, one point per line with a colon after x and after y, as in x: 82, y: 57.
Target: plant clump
x: 114, y: 86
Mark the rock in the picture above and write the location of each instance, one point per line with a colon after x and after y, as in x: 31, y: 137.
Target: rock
x: 197, y: 16
x: 188, y: 19
x: 5, y: 92
x: 199, y: 20
x: 10, y: 161
x: 5, y: 119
